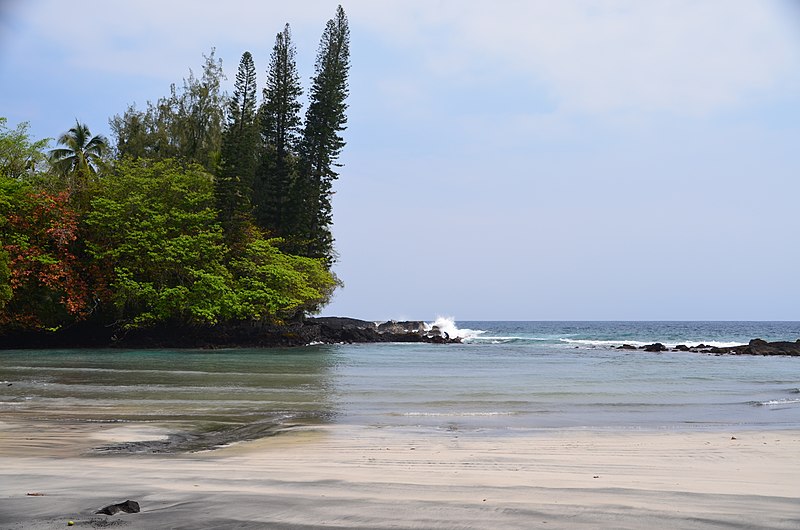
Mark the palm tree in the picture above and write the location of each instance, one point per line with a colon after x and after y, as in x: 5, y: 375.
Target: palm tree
x: 80, y: 157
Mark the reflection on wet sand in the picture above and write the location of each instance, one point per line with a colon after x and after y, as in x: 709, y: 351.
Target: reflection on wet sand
x: 196, y: 400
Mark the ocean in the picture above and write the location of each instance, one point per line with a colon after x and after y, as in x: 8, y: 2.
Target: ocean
x: 506, y: 378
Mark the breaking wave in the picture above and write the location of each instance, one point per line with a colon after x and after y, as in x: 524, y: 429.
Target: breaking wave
x: 448, y: 325
x: 776, y: 402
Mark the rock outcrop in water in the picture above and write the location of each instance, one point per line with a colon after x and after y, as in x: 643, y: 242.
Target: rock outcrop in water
x: 337, y: 330
x: 762, y: 347
x: 754, y: 347
x: 321, y: 330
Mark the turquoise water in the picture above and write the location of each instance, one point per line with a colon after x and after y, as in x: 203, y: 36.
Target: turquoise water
x: 508, y: 377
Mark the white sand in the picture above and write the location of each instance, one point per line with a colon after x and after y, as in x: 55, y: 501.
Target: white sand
x: 354, y: 477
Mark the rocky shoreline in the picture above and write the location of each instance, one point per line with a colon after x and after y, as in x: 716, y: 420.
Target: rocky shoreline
x: 321, y: 330
x: 309, y: 331
x: 754, y: 347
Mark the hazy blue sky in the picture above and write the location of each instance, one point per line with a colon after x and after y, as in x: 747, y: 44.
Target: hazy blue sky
x: 507, y: 160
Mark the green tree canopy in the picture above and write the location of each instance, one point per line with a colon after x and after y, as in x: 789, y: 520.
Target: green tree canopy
x: 82, y: 153
x: 186, y: 125
x: 78, y: 161
x: 19, y: 155
x: 197, y: 115
x: 154, y: 226
x: 140, y: 134
x: 5, y: 280
x: 273, y: 286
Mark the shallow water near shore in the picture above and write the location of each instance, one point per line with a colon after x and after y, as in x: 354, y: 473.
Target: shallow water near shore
x: 507, y: 378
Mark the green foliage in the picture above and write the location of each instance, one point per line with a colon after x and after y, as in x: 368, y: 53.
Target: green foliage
x: 186, y: 125
x: 5, y: 279
x: 12, y: 195
x: 8, y: 190
x: 78, y: 161
x: 197, y: 115
x: 272, y: 285
x: 154, y: 225
x: 19, y: 156
x: 140, y: 134
x: 82, y: 153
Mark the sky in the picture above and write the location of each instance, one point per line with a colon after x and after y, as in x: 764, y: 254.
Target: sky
x: 513, y: 160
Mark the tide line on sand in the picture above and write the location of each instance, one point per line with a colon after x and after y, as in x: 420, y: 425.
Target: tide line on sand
x: 363, y: 477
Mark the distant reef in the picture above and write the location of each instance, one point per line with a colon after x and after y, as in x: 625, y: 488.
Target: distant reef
x: 754, y: 347
x: 321, y: 330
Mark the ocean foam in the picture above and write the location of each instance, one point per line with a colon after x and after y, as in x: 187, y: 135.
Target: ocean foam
x: 778, y: 402
x: 448, y: 325
x: 503, y: 340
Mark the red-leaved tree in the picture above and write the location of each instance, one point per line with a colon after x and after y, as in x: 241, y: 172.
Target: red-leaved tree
x: 47, y: 278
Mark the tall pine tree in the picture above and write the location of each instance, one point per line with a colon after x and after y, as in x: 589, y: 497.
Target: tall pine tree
x: 322, y: 142
x: 239, y: 151
x: 280, y: 130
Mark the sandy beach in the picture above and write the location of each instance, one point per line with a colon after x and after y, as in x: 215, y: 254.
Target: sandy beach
x: 368, y: 477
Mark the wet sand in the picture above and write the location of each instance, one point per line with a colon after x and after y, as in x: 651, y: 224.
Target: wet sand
x: 368, y: 477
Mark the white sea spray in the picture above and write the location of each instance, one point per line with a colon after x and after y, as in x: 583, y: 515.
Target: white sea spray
x: 447, y: 324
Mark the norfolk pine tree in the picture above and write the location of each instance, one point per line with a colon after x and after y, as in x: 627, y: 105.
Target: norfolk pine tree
x: 280, y: 130
x: 322, y: 143
x: 239, y: 152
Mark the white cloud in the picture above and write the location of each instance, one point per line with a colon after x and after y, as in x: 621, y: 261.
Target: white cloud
x: 161, y: 39
x: 684, y: 56
x: 595, y: 56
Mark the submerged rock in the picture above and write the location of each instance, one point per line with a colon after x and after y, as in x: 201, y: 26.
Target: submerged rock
x: 128, y: 506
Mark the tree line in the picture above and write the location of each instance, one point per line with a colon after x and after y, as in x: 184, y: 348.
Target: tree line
x: 206, y: 208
